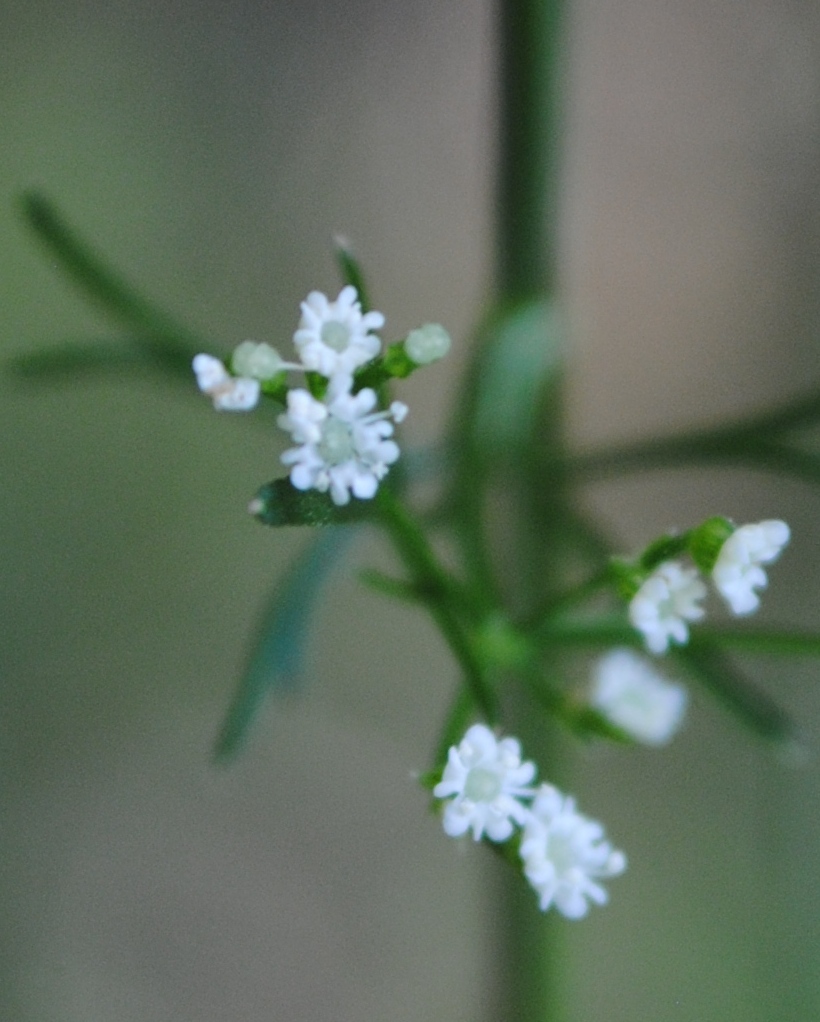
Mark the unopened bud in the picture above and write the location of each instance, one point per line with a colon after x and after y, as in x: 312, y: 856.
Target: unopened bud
x: 259, y: 361
x: 428, y: 343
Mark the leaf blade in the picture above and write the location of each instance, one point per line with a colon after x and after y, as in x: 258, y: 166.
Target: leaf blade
x: 276, y: 660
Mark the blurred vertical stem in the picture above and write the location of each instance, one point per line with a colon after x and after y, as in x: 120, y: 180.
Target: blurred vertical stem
x: 529, y: 112
x: 530, y: 67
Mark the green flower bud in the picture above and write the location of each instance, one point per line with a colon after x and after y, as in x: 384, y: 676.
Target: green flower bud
x: 427, y: 344
x: 259, y: 361
x: 706, y: 541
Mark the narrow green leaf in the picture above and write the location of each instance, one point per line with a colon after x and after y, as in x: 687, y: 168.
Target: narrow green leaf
x: 98, y: 358
x: 753, y: 707
x: 583, y: 721
x: 761, y: 640
x: 74, y: 358
x: 521, y: 350
x: 350, y: 269
x: 280, y: 503
x: 613, y: 630
x: 608, y: 630
x: 277, y: 654
x: 395, y: 588
x: 103, y: 284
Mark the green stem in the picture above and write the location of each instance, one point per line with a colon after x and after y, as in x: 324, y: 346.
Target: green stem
x: 756, y: 442
x: 762, y: 641
x: 443, y: 596
x: 600, y: 632
x: 715, y: 671
x: 571, y: 598
x: 455, y: 724
x: 526, y: 269
x: 528, y: 147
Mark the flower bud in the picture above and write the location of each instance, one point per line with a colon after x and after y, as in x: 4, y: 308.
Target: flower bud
x: 259, y: 361
x: 706, y: 542
x: 427, y: 344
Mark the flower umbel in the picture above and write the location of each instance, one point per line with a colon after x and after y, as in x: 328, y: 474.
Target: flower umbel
x: 565, y: 854
x: 335, y: 337
x: 663, y: 605
x: 484, y: 781
x: 229, y: 393
x: 344, y: 446
x: 632, y: 695
x: 737, y: 572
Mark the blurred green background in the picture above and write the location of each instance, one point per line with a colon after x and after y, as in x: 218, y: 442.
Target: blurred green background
x: 211, y: 150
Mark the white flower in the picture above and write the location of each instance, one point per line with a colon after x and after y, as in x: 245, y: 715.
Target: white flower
x: 564, y: 854
x: 229, y: 393
x: 633, y: 696
x: 484, y: 780
x: 737, y: 572
x: 334, y: 337
x: 344, y: 444
x: 258, y: 361
x: 664, y: 603
x: 428, y: 343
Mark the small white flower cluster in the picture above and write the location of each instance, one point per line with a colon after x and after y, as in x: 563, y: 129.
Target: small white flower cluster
x: 488, y: 791
x: 665, y: 604
x: 344, y: 444
x: 669, y: 599
x: 229, y: 393
x: 629, y: 692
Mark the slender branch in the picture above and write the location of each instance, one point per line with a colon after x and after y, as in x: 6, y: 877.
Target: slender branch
x: 614, y: 630
x: 573, y: 597
x: 765, y: 641
x: 756, y: 442
x: 455, y: 724
x: 445, y: 599
x: 750, y: 704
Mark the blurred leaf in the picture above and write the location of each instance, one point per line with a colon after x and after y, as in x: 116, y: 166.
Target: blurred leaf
x: 520, y: 353
x: 500, y: 424
x: 280, y: 503
x: 277, y: 654
x: 79, y: 358
x: 584, y: 721
x: 459, y: 714
x: 104, y: 285
x: 350, y: 269
x: 763, y: 641
x: 755, y: 443
x: 599, y: 631
x: 74, y: 358
x: 395, y: 588
x: 753, y: 707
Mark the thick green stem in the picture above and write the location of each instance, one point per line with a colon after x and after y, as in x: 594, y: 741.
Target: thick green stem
x: 529, y: 40
x: 528, y: 988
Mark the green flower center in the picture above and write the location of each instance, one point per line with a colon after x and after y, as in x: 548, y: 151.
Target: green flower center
x: 336, y: 444
x: 335, y: 335
x: 482, y: 785
x: 560, y: 852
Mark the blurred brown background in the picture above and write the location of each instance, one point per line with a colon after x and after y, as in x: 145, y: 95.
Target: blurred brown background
x: 211, y: 150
